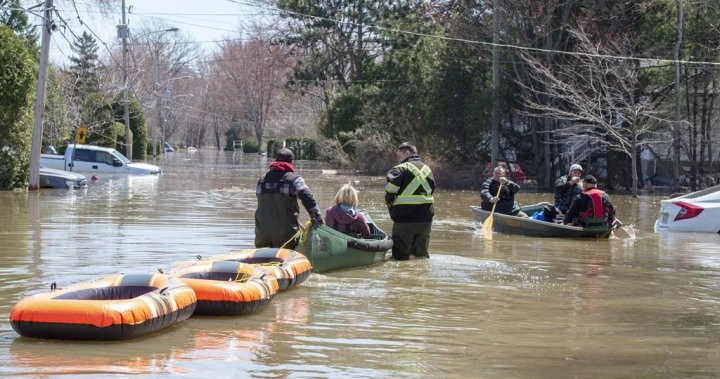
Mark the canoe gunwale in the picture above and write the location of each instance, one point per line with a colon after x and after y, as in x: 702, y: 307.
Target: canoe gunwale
x: 370, y: 245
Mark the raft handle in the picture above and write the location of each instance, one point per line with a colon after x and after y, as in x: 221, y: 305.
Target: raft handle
x: 53, y: 286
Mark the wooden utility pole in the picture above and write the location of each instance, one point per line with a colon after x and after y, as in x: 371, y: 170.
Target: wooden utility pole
x: 494, y: 137
x: 36, y: 148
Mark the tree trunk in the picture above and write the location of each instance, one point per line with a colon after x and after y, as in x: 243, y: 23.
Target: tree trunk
x: 678, y: 120
x: 633, y: 159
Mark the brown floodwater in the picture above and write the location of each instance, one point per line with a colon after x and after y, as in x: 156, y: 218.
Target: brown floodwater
x: 510, y: 307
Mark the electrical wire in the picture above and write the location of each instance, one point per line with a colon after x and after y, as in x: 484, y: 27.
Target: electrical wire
x: 270, y: 11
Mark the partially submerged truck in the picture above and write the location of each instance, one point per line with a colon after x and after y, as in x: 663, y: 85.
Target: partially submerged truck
x: 96, y: 159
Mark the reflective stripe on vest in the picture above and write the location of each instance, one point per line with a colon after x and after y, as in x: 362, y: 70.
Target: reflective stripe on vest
x: 408, y: 196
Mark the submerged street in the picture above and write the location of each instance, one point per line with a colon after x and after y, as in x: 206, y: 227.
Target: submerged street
x: 512, y: 306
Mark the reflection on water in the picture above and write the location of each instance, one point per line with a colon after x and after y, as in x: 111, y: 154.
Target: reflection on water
x: 512, y: 306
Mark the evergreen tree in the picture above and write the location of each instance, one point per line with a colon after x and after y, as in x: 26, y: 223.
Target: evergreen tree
x: 92, y: 109
x: 138, y: 127
x: 84, y: 65
x: 18, y: 73
x: 12, y: 15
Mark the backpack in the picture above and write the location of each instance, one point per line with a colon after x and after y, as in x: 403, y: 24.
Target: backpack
x: 550, y: 213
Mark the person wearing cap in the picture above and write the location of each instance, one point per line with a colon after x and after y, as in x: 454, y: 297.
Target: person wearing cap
x: 567, y: 187
x: 592, y: 207
x: 501, y: 190
x: 409, y: 198
x: 278, y: 191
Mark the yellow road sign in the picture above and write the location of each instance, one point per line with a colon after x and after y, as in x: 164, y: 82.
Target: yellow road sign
x: 81, y: 135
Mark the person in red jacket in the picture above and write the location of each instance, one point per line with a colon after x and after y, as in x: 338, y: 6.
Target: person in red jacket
x: 343, y: 217
x: 592, y: 207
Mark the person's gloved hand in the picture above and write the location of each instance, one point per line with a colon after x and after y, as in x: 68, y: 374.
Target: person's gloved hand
x: 316, y: 221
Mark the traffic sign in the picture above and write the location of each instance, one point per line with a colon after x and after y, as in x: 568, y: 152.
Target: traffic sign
x: 81, y: 135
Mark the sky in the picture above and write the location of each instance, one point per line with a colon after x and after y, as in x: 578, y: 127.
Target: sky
x: 204, y: 21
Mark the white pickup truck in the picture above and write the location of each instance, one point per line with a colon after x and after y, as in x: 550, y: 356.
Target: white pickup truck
x: 95, y: 159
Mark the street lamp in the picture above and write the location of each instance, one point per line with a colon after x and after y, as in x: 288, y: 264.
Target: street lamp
x: 124, y: 32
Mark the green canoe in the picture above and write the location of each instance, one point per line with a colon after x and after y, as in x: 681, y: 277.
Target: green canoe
x: 508, y: 224
x: 330, y: 250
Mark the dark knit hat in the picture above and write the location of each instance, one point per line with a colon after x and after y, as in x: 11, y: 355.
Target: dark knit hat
x: 284, y: 155
x: 590, y: 179
x: 407, y: 146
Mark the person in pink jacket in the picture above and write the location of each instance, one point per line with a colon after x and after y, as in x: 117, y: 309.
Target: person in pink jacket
x: 343, y: 217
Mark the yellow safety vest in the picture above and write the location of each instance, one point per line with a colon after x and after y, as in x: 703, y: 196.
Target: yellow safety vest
x: 408, y: 196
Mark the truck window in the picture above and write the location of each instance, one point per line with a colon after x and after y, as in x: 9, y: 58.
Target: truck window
x: 103, y: 157
x: 82, y: 155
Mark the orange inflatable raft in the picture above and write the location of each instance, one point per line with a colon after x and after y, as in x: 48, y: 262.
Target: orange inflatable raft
x: 289, y: 267
x: 117, y: 307
x: 227, y: 288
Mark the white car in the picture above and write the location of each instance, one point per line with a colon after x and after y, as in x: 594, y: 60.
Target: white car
x: 695, y: 212
x: 52, y: 178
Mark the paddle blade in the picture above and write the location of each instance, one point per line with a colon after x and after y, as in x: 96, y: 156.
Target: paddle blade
x: 487, y: 227
x: 623, y: 232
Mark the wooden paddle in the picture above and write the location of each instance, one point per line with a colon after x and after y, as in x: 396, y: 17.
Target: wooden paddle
x: 619, y: 230
x: 488, y: 223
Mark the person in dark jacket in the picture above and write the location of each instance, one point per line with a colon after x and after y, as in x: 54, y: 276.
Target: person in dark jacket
x: 278, y: 191
x: 506, y: 203
x: 592, y: 207
x: 343, y: 217
x: 409, y: 198
x: 567, y: 187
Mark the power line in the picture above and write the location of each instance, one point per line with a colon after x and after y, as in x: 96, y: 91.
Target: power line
x: 507, y: 46
x: 275, y: 11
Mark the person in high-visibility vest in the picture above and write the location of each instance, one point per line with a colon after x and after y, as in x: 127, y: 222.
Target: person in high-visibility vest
x: 409, y: 198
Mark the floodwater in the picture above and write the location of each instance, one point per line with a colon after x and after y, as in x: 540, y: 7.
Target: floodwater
x: 510, y: 307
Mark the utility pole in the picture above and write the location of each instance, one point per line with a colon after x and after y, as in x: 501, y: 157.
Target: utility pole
x: 36, y: 147
x: 494, y: 137
x: 123, y: 32
x: 156, y: 90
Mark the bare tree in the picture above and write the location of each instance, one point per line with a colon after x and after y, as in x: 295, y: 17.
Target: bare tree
x: 539, y: 24
x: 160, y: 76
x: 596, y: 96
x: 252, y: 73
